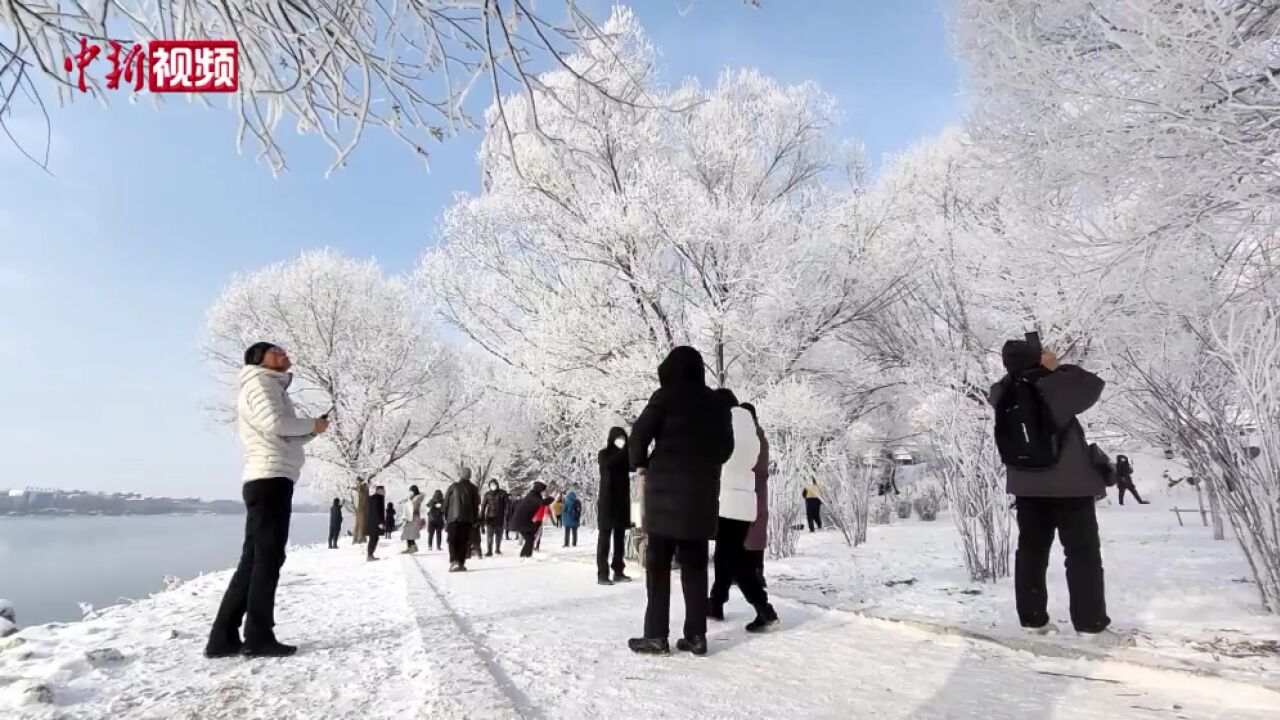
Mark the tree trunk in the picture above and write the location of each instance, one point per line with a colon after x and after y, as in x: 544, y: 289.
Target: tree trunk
x: 362, y: 499
x: 1215, y: 512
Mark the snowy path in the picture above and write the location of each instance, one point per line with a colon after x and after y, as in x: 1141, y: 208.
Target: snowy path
x: 539, y: 639
x: 553, y: 644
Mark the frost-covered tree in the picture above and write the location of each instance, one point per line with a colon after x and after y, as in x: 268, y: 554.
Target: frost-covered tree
x: 361, y: 345
x: 1152, y: 127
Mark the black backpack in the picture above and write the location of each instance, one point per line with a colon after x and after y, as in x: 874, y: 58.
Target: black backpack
x: 1026, y: 434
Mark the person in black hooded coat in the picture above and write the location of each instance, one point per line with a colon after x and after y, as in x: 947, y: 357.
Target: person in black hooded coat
x: 692, y: 437
x: 522, y: 519
x: 614, y: 508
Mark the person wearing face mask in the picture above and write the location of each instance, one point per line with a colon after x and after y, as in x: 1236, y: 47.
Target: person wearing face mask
x: 613, y: 510
x: 493, y: 513
x: 413, y: 524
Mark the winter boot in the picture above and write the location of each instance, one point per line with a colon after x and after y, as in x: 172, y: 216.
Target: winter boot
x: 1045, y: 629
x: 649, y: 646
x: 1110, y: 638
x: 604, y: 580
x: 694, y: 645
x: 370, y: 558
x: 454, y: 567
x: 223, y: 645
x: 766, y: 618
x: 273, y: 649
x: 620, y: 576
x: 715, y: 610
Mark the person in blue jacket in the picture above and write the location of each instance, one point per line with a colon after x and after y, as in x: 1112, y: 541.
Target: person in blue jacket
x: 571, y: 517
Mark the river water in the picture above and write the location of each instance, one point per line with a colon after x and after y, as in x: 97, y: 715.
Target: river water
x: 48, y: 565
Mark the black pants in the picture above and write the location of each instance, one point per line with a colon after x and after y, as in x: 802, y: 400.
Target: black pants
x: 334, y: 533
x: 374, y: 534
x: 693, y: 581
x: 757, y: 562
x: 618, y: 536
x: 251, y: 594
x: 571, y: 536
x: 1128, y: 486
x: 435, y: 534
x: 735, y: 564
x: 1076, y: 523
x: 813, y: 513
x: 459, y: 542
x: 527, y: 549
x: 494, y: 532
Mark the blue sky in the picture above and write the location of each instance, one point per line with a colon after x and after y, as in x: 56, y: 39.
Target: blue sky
x: 108, y: 266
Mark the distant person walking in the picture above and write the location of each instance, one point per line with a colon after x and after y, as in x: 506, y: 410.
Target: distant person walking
x: 526, y: 519
x: 1047, y: 460
x: 494, y: 511
x: 738, y: 508
x: 435, y: 521
x: 758, y: 534
x: 1124, y: 480
x: 414, y: 523
x: 272, y: 436
x: 613, y: 509
x: 375, y: 517
x: 812, y: 495
x: 557, y: 509
x: 390, y: 525
x: 570, y: 519
x: 691, y: 432
x: 335, y: 523
x: 461, y: 512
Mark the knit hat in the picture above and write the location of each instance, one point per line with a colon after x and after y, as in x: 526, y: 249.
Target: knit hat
x: 1019, y: 356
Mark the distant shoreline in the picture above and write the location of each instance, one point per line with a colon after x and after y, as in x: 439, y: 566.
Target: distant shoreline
x: 63, y: 515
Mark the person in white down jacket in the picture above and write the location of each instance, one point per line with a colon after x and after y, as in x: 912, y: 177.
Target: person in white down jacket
x: 733, y: 564
x: 273, y: 437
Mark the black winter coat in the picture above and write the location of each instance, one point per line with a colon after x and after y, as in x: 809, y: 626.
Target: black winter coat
x: 335, y: 518
x: 462, y: 502
x: 435, y: 509
x: 692, y: 436
x: 375, y: 512
x: 522, y: 518
x: 614, y: 508
x: 493, y: 509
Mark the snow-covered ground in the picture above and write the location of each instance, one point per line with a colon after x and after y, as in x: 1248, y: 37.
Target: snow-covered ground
x: 539, y: 639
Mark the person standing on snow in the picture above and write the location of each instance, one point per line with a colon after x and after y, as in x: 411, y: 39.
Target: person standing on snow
x: 1124, y: 480
x: 758, y: 533
x: 461, y: 511
x: 813, y: 505
x: 494, y: 512
x: 412, y: 524
x: 335, y: 523
x: 390, y: 525
x: 272, y: 436
x: 570, y: 518
x: 525, y: 519
x: 691, y: 431
x: 738, y: 509
x: 613, y: 510
x: 557, y: 508
x: 375, y: 516
x: 1050, y: 474
x: 435, y: 521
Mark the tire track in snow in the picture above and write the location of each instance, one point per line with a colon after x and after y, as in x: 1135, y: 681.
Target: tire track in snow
x: 463, y: 687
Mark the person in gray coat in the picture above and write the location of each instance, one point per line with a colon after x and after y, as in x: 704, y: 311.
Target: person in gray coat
x: 1059, y: 498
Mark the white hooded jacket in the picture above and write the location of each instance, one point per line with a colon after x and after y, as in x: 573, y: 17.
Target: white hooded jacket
x: 271, y: 432
x: 738, y: 477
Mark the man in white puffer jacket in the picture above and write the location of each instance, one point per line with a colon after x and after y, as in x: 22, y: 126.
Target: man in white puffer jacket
x: 273, y: 437
x: 733, y: 564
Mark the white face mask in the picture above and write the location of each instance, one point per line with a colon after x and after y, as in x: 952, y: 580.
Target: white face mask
x: 619, y: 442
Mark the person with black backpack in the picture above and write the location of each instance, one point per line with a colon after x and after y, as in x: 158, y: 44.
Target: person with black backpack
x: 1050, y: 472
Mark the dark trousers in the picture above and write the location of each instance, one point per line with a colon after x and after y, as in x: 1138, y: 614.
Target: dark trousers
x: 374, y: 534
x: 1128, y: 486
x: 494, y: 531
x: 813, y: 513
x: 618, y: 536
x: 527, y: 549
x: 459, y: 542
x: 435, y: 534
x: 757, y: 562
x: 571, y: 536
x: 693, y: 580
x: 251, y: 594
x: 1076, y: 524
x: 334, y: 533
x: 734, y: 564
